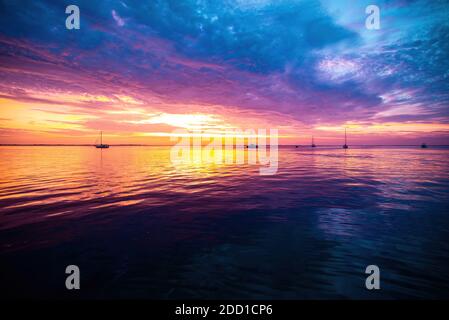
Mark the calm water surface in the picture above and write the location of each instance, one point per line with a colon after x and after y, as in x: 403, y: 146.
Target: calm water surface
x: 138, y: 227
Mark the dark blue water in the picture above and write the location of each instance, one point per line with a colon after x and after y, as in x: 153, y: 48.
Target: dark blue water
x: 138, y: 227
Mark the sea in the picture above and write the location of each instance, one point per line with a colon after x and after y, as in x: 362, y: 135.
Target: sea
x: 139, y: 226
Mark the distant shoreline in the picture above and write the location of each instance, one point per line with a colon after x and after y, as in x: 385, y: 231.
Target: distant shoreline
x: 169, y: 145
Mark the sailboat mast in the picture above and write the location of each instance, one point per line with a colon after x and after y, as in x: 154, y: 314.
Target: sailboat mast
x: 345, y: 136
x: 101, y: 137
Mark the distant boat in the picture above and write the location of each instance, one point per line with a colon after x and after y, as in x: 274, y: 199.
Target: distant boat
x: 252, y: 146
x: 313, y: 143
x: 424, y: 146
x: 345, y: 146
x: 101, y: 145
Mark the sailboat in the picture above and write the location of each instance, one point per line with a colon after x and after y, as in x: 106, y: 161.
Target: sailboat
x: 423, y: 145
x: 345, y: 146
x: 313, y: 143
x: 101, y: 145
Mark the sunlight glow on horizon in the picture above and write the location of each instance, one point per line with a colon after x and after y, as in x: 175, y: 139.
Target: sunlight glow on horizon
x: 36, y: 119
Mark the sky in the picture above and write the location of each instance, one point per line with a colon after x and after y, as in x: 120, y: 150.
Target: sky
x: 139, y: 70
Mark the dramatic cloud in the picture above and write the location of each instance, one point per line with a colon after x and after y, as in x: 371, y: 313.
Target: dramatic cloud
x: 142, y: 67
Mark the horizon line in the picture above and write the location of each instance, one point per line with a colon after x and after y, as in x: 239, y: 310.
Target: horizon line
x: 169, y: 145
